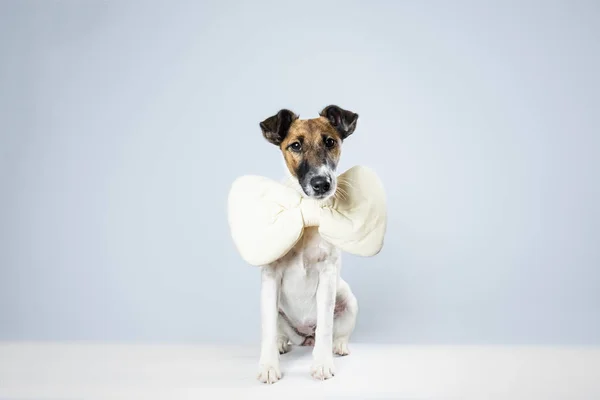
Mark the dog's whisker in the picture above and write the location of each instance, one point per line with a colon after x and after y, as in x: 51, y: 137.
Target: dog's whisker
x: 341, y: 193
x: 345, y: 184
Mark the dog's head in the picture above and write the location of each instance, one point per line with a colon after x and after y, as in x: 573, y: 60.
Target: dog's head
x: 311, y: 147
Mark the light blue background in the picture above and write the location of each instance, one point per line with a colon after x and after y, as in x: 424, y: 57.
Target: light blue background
x: 123, y: 124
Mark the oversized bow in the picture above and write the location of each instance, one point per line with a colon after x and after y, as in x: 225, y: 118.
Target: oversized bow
x: 267, y: 218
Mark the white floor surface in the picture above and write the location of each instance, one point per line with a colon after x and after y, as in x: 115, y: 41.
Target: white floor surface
x: 110, y: 371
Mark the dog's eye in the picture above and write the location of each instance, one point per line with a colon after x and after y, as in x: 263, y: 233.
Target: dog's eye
x: 329, y: 142
x: 296, y: 146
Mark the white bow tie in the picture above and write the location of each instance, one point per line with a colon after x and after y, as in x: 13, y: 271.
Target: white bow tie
x: 267, y: 218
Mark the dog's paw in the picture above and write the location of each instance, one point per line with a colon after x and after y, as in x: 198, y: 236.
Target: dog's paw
x: 269, y: 373
x: 283, y: 345
x: 323, y: 369
x: 340, y: 347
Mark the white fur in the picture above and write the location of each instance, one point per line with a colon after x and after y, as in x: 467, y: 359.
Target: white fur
x: 305, y: 286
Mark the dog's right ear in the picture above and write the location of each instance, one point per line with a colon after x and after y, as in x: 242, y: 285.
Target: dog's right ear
x: 276, y: 128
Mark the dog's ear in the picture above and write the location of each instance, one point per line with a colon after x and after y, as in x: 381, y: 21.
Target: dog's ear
x: 343, y: 121
x: 276, y: 128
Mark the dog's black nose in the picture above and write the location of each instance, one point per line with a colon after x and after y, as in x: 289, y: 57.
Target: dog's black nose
x: 320, y: 184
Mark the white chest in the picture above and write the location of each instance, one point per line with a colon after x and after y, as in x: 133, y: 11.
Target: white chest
x: 309, y: 252
x: 300, y: 270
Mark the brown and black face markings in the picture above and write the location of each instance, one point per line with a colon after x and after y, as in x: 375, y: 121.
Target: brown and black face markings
x: 311, y: 147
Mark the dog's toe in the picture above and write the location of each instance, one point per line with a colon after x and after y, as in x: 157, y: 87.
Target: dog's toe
x: 340, y: 347
x: 322, y: 370
x: 269, y: 374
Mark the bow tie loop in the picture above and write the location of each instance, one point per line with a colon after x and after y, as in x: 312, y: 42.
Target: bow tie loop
x: 267, y: 218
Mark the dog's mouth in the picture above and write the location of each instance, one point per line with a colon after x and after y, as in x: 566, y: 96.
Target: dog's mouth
x: 319, y: 187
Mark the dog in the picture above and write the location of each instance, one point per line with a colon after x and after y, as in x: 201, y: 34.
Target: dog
x: 304, y: 300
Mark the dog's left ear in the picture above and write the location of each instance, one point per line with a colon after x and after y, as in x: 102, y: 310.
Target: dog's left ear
x: 343, y: 121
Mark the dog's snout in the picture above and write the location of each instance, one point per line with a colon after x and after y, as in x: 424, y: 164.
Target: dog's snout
x: 320, y: 184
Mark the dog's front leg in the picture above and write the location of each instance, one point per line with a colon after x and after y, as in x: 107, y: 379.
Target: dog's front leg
x: 322, y: 367
x: 268, y: 371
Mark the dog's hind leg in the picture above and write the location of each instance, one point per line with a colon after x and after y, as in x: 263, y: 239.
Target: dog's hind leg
x: 286, y: 334
x: 344, y: 318
x: 284, y: 331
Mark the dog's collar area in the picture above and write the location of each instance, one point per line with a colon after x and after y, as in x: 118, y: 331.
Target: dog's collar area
x: 311, y: 212
x: 267, y: 218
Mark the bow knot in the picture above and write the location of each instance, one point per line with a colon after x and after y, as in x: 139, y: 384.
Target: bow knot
x: 267, y: 218
x: 311, y: 212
